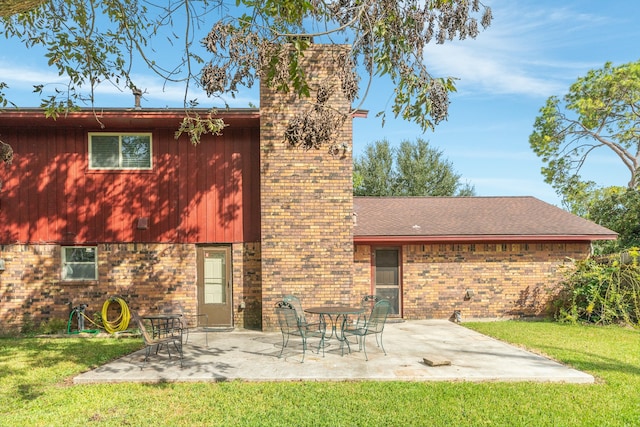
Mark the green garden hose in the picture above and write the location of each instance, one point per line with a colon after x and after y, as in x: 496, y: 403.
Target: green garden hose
x: 122, y: 322
x: 81, y: 317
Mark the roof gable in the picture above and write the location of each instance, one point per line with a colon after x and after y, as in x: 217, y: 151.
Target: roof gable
x: 469, y: 218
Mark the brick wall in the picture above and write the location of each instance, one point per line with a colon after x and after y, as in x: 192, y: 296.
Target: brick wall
x: 510, y: 280
x: 362, y: 280
x: 247, y: 286
x: 150, y: 277
x: 306, y: 201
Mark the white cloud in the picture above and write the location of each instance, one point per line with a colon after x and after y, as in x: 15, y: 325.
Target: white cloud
x: 157, y: 94
x: 21, y: 77
x: 515, y: 55
x: 493, y: 72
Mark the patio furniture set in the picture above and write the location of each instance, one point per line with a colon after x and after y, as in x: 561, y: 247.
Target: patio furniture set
x: 371, y: 318
x: 172, y: 330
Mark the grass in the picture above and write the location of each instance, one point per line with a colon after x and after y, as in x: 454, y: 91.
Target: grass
x: 35, y: 389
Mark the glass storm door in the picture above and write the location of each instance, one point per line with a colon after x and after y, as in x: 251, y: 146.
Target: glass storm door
x: 214, y: 286
x: 386, y: 263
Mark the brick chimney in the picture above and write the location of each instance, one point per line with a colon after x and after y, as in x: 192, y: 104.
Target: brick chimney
x: 306, y: 199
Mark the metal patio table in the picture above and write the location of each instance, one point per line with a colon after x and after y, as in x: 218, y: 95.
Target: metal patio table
x: 163, y: 325
x: 335, y: 313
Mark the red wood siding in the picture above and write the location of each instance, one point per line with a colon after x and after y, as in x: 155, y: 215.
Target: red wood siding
x: 205, y: 193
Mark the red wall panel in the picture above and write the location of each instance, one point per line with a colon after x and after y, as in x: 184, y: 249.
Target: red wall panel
x: 204, y: 193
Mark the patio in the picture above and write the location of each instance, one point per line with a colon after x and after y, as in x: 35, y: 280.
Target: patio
x: 253, y: 356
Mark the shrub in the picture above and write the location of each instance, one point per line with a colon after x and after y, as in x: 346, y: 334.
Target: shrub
x: 53, y: 326
x: 604, y: 291
x: 28, y: 325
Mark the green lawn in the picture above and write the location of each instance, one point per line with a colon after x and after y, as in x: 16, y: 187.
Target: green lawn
x: 35, y: 389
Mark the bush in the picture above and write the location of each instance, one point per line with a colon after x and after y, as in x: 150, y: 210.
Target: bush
x: 28, y: 325
x: 53, y: 326
x: 603, y: 291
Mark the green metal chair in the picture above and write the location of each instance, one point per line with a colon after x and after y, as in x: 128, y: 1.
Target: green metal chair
x: 370, y: 299
x: 373, y: 325
x: 294, y: 301
x: 367, y: 302
x: 290, y: 324
x: 190, y: 321
x: 175, y: 338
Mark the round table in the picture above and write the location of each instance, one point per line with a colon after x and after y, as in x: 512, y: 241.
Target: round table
x: 334, y: 313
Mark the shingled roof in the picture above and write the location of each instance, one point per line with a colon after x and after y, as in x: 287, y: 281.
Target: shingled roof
x: 427, y: 219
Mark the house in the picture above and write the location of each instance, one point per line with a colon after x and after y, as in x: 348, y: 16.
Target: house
x: 478, y: 256
x: 108, y: 203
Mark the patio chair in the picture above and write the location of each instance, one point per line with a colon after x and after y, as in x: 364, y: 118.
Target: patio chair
x: 174, y: 338
x: 294, y: 301
x: 190, y: 321
x: 374, y: 325
x: 290, y: 324
x: 367, y: 302
x: 367, y: 299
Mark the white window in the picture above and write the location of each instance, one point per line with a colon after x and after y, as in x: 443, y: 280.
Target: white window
x: 120, y: 151
x: 79, y: 263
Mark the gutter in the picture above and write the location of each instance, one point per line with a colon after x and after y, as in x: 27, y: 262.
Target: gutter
x: 488, y: 238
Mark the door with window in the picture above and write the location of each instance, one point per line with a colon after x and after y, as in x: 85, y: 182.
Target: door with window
x: 386, y: 267
x: 214, y: 286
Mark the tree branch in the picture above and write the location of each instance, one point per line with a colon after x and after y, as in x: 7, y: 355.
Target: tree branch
x: 13, y: 7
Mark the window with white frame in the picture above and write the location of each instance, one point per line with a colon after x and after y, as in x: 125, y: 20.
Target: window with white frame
x: 120, y: 151
x: 79, y: 263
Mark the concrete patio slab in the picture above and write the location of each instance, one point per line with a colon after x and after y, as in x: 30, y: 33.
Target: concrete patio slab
x: 253, y: 356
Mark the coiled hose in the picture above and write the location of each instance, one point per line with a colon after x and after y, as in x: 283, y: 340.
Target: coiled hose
x: 122, y: 322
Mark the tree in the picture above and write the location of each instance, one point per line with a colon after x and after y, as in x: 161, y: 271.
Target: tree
x: 423, y: 171
x: 413, y: 169
x: 617, y: 208
x: 103, y: 41
x: 600, y: 111
x: 373, y: 172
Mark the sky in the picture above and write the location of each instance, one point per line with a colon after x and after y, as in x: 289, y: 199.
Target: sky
x: 533, y: 49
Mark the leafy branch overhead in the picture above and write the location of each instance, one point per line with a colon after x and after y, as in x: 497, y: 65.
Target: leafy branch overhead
x: 600, y: 113
x: 195, y: 126
x: 318, y: 126
x: 101, y: 42
x: 6, y: 155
